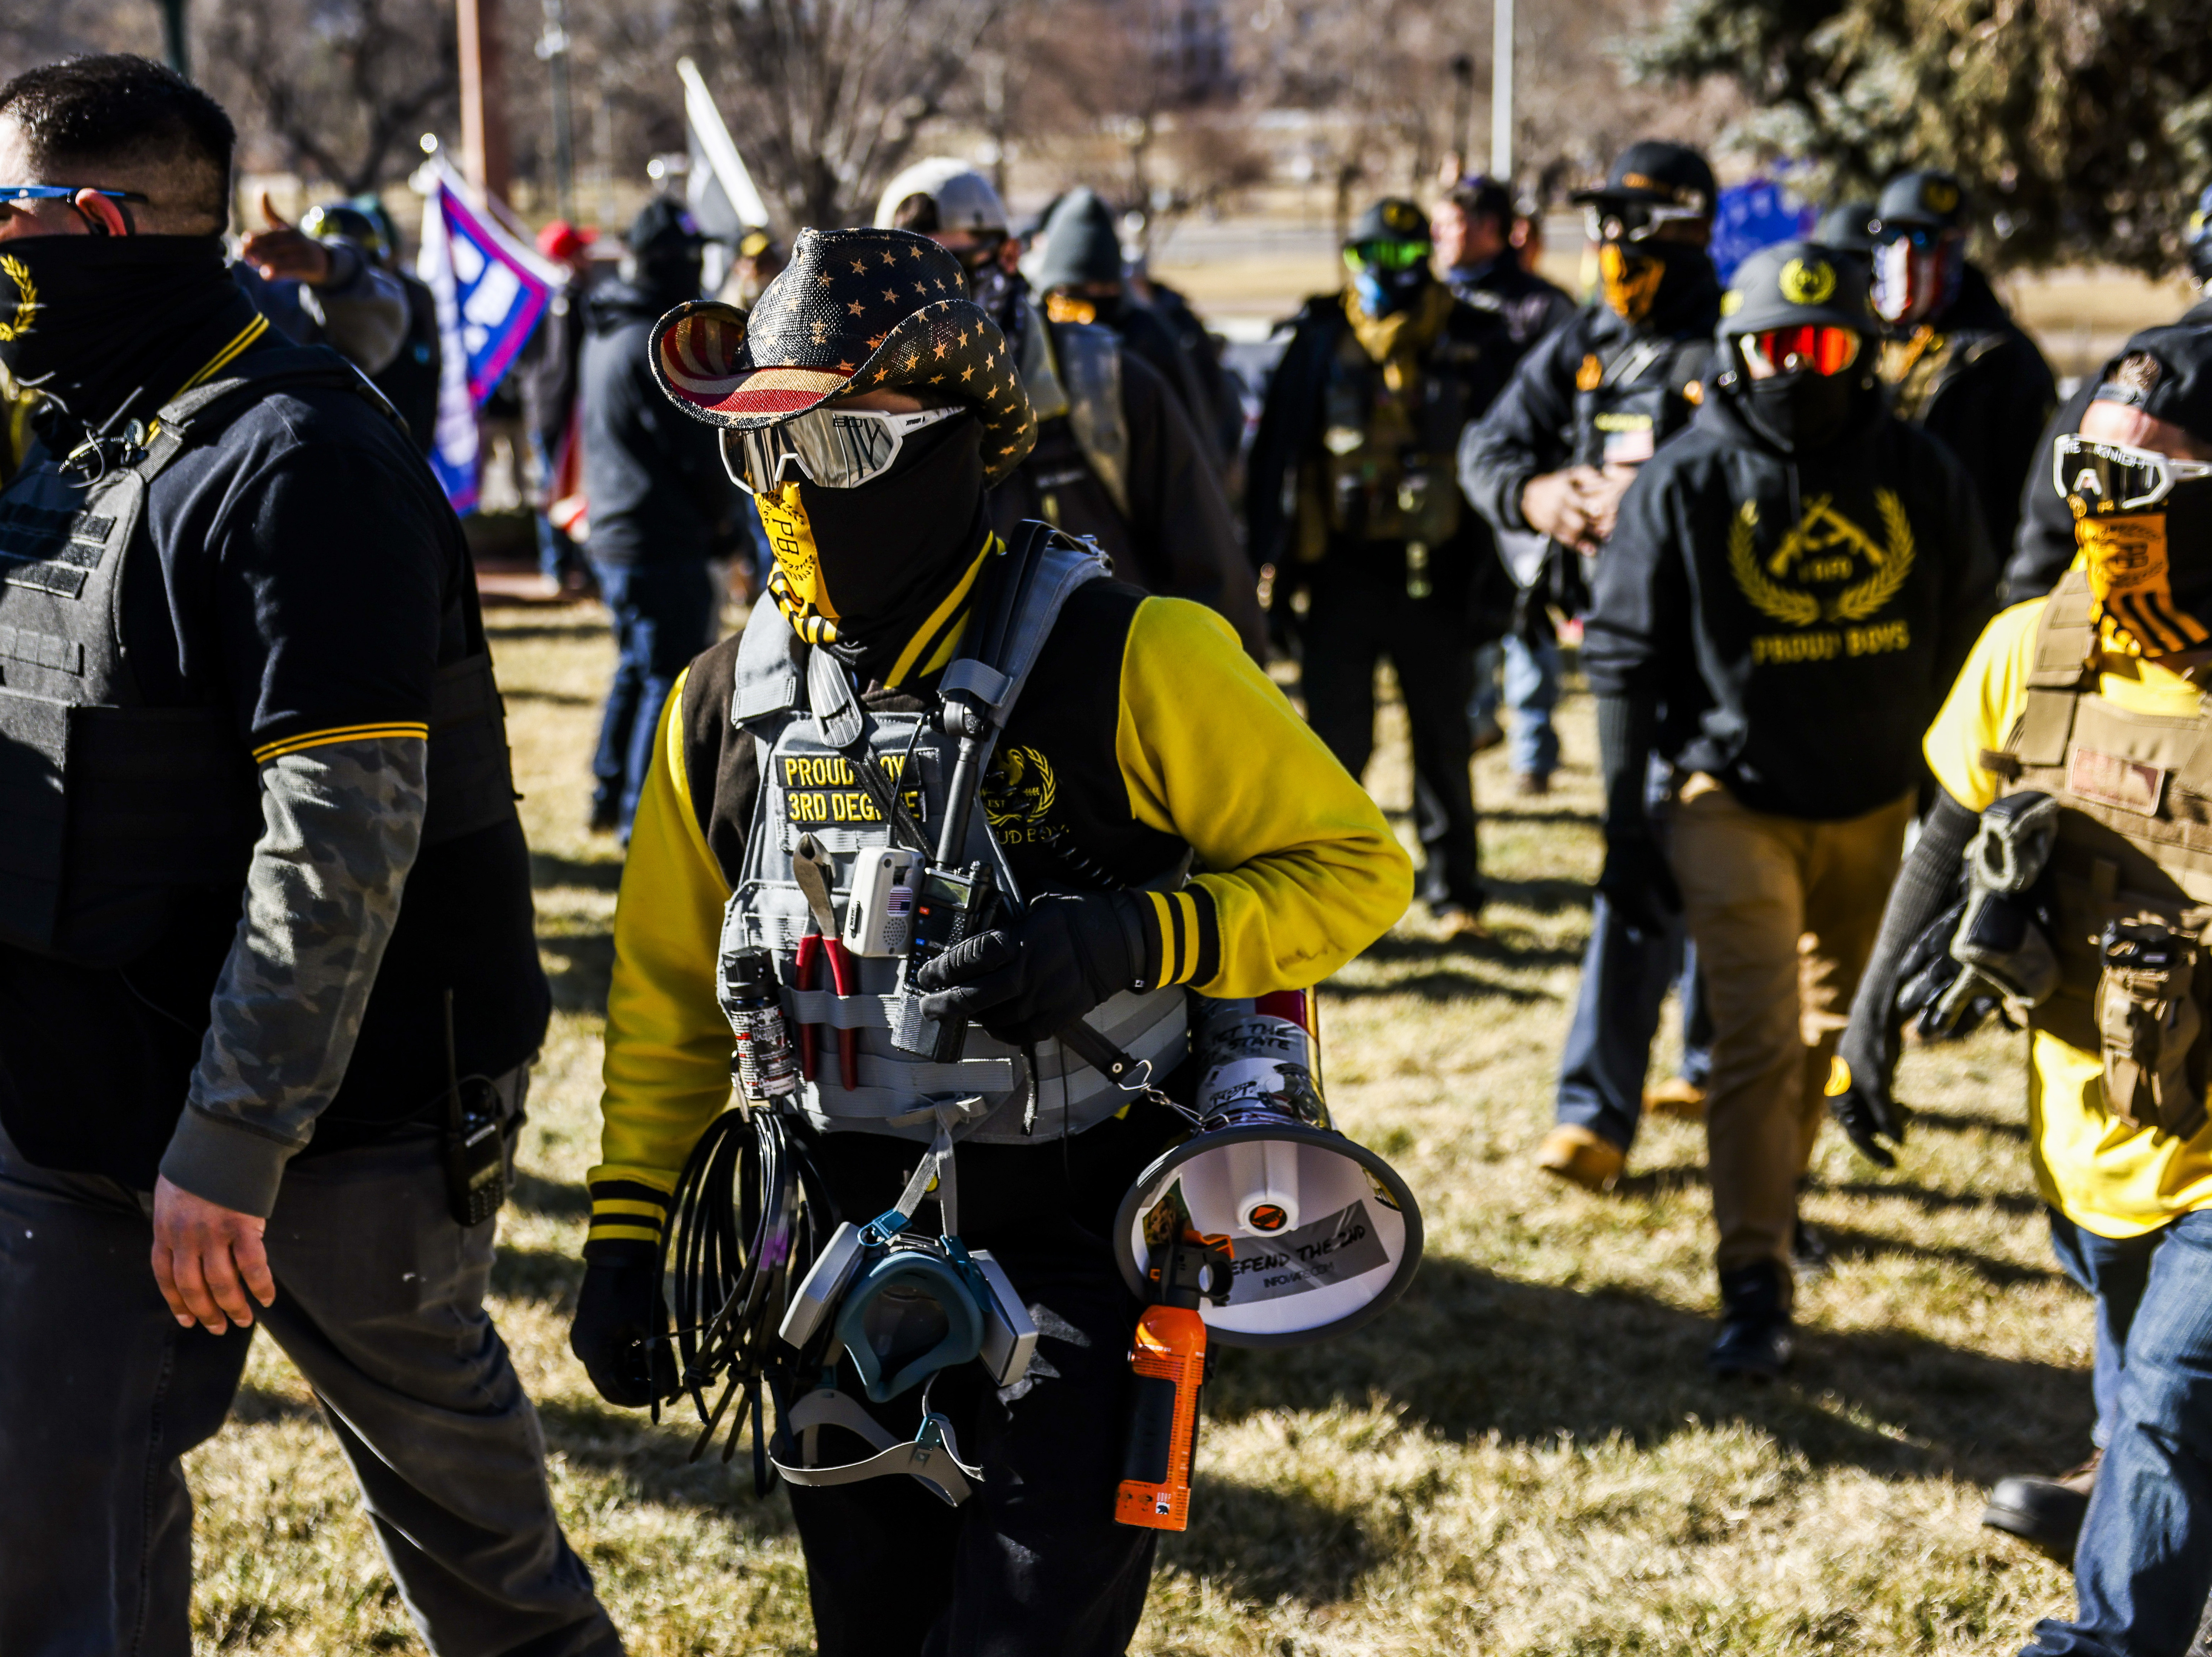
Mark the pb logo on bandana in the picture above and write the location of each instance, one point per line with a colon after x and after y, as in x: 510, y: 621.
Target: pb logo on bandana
x: 797, y: 585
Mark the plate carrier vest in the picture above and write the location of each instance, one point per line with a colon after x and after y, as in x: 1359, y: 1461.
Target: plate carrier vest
x: 111, y: 804
x: 797, y: 703
x: 2135, y: 823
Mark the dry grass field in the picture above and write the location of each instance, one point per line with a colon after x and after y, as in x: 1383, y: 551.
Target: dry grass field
x: 1524, y: 1458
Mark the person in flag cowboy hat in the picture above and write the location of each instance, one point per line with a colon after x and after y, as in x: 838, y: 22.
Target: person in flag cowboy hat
x: 866, y: 405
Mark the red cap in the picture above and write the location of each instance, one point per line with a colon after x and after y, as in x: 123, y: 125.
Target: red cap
x: 563, y: 241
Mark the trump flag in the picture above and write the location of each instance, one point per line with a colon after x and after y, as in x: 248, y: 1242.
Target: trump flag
x: 491, y: 289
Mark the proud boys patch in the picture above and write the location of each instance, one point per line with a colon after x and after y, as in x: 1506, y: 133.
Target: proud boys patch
x: 825, y: 789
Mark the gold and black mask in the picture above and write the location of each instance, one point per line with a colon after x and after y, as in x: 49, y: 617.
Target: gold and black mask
x: 2144, y: 522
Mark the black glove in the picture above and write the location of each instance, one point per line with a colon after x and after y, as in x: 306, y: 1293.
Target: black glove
x: 1025, y: 979
x: 620, y: 1314
x: 1638, y: 882
x: 1858, y: 1094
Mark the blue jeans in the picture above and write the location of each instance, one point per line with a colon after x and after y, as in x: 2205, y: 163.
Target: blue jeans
x: 557, y: 553
x: 2141, y: 1570
x: 1626, y: 975
x: 664, y: 615
x: 1531, y: 674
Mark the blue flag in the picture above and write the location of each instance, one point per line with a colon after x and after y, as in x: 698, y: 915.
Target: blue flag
x: 1755, y: 214
x: 491, y: 289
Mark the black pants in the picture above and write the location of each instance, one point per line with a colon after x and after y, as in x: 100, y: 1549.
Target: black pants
x: 1360, y: 612
x: 1032, y: 1564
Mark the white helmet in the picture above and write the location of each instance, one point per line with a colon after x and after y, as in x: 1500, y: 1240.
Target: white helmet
x: 964, y: 197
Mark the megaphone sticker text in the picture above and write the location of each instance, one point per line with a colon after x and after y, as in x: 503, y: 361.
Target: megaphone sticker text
x: 1333, y: 1250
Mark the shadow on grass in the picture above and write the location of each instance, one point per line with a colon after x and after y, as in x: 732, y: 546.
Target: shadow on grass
x: 498, y: 629
x: 655, y: 1462
x: 1393, y: 947
x: 1445, y: 988
x: 578, y: 966
x: 1467, y: 1352
x: 557, y: 1200
x: 1847, y: 1244
x: 1953, y: 1121
x: 1547, y: 896
x: 596, y: 874
x: 2019, y: 1203
x: 1266, y: 1544
x: 556, y: 698
x: 1649, y: 1183
x: 256, y: 1407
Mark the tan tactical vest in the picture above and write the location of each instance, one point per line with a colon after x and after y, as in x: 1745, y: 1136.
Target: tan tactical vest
x: 2135, y: 835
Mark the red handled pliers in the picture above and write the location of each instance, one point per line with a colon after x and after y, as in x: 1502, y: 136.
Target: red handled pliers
x: 812, y: 947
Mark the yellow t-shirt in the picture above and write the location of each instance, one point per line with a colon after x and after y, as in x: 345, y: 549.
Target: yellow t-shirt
x: 2106, y: 1177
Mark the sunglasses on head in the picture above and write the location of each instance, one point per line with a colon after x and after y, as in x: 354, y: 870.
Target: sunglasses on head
x: 834, y: 448
x: 2118, y: 477
x: 1820, y: 347
x: 1386, y: 255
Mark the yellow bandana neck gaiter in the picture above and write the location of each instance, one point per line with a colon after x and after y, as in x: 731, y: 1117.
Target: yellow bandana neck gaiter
x: 798, y: 585
x: 2131, y: 585
x: 1631, y: 285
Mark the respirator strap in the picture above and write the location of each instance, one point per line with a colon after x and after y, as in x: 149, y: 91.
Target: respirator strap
x: 931, y: 1457
x: 937, y: 1164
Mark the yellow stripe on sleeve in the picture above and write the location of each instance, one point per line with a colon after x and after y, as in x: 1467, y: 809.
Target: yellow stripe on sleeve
x: 285, y: 745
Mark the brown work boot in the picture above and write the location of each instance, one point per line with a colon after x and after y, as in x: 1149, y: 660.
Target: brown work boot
x: 1678, y: 1097
x: 1589, y: 1160
x: 2046, y: 1513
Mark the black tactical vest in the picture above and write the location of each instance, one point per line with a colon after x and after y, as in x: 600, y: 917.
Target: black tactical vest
x: 110, y: 805
x: 1628, y: 403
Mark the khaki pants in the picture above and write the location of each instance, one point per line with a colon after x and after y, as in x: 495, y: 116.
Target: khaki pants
x: 1785, y: 913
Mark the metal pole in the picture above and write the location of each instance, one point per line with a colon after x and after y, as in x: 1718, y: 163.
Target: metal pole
x: 176, y: 45
x: 553, y: 47
x: 1501, y: 92
x: 485, y: 156
x: 1462, y: 74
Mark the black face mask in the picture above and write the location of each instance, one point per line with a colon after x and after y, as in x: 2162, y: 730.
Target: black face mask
x: 1801, y: 411
x: 861, y: 570
x: 83, y: 318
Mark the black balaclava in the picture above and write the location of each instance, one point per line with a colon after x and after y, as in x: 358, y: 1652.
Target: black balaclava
x: 1802, y: 411
x: 860, y: 571
x: 84, y: 318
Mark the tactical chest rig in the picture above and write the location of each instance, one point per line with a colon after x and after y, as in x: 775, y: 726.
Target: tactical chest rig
x: 2134, y: 846
x: 811, y: 732
x: 1636, y: 397
x: 110, y: 804
x: 1388, y: 447
x: 1919, y: 369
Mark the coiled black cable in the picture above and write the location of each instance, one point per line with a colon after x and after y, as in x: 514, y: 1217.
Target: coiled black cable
x: 748, y: 1210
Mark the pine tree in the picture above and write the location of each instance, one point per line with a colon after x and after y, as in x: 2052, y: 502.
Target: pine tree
x: 2083, y: 128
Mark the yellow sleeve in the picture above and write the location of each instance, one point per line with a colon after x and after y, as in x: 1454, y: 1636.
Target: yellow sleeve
x: 1299, y: 870
x: 667, y: 1071
x: 1989, y: 695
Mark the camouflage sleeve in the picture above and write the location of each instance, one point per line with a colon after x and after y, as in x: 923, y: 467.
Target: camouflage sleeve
x: 341, y: 825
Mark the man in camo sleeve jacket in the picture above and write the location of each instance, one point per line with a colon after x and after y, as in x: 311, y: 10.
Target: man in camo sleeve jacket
x: 264, y: 915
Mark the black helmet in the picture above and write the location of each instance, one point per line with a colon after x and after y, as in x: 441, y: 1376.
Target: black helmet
x: 1847, y: 227
x: 1920, y: 201
x: 346, y: 219
x: 1796, y: 284
x: 1392, y: 219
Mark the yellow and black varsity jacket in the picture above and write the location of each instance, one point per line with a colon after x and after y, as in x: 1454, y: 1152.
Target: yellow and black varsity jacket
x: 1145, y: 731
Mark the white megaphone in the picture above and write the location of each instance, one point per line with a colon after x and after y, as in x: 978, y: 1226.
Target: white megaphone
x: 1322, y: 1233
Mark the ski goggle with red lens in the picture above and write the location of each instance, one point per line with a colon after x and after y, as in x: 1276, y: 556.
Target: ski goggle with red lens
x: 1821, y: 347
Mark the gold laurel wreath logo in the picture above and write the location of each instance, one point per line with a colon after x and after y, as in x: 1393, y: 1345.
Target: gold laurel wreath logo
x: 1858, y: 601
x: 27, y: 302
x: 1025, y: 791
